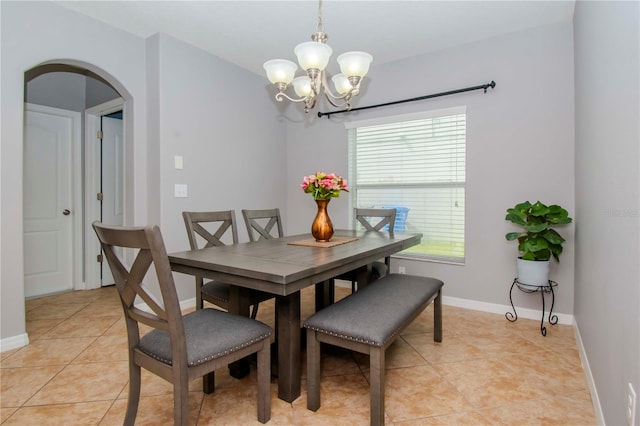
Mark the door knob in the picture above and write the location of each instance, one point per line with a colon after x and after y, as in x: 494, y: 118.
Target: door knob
x: 66, y: 212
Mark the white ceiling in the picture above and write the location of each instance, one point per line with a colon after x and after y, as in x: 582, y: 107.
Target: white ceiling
x: 248, y: 33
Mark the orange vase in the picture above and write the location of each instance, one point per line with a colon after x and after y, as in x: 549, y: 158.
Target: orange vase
x: 322, y: 228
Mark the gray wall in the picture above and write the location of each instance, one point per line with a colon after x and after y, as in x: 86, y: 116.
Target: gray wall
x: 607, y: 294
x: 232, y: 145
x: 520, y: 145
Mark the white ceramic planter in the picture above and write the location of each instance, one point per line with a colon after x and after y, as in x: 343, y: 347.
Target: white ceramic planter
x: 533, y: 272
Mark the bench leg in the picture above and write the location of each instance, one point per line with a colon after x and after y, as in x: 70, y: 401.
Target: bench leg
x: 376, y: 385
x: 437, y: 317
x: 264, y: 382
x: 313, y: 371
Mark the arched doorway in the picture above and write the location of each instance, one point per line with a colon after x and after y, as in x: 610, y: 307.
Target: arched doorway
x: 59, y: 97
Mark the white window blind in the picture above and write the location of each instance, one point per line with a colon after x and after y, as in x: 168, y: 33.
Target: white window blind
x: 416, y: 164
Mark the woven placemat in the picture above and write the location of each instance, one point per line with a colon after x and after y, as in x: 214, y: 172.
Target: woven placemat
x: 335, y: 241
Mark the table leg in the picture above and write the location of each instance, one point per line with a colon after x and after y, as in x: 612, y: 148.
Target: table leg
x: 325, y: 294
x: 239, y: 304
x: 288, y: 317
x: 362, y: 276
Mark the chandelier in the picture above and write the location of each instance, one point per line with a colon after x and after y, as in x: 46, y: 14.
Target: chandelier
x: 313, y: 57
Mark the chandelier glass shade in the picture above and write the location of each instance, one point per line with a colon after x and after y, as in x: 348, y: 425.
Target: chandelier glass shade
x: 313, y: 57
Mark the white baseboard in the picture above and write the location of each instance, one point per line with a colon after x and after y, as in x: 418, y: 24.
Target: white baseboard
x: 14, y: 342
x: 189, y: 303
x: 184, y: 304
x: 495, y: 308
x: 595, y: 400
x: 451, y: 301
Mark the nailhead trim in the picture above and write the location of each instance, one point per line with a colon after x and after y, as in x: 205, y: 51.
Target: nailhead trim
x: 214, y: 356
x: 355, y: 339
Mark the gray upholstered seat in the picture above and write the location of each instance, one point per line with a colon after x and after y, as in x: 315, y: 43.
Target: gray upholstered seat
x: 376, y: 313
x: 204, y: 343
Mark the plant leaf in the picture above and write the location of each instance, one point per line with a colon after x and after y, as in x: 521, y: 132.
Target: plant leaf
x: 543, y: 254
x: 515, y: 218
x: 556, y: 250
x: 535, y: 244
x: 535, y: 228
x: 512, y: 236
x: 553, y: 237
x: 539, y: 209
x: 522, y: 207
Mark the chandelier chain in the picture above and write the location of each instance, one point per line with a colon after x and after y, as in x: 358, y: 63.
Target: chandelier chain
x: 320, y: 36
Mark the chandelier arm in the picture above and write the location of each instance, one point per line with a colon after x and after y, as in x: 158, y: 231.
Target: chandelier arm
x: 333, y: 102
x: 281, y: 95
x: 330, y: 95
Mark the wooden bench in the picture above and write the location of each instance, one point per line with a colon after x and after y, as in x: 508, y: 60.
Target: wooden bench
x: 369, y: 321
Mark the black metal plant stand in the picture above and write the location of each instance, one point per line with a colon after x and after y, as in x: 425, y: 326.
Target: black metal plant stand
x: 527, y: 288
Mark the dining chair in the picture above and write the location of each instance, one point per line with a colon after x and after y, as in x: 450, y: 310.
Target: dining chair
x: 260, y: 224
x: 212, y: 228
x: 374, y: 220
x: 178, y: 348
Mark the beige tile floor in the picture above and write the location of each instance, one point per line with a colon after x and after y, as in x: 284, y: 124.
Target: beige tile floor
x: 487, y: 371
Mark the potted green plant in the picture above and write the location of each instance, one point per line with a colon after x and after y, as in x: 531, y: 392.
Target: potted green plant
x: 538, y: 241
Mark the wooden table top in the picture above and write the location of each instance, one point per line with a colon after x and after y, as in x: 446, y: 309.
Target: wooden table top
x: 277, y: 267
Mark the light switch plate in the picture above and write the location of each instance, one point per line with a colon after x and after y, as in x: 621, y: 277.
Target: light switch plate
x: 178, y: 162
x: 180, y: 190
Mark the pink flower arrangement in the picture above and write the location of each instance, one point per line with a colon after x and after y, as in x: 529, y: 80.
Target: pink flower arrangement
x: 323, y: 186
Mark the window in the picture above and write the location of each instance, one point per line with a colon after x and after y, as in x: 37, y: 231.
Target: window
x: 415, y: 163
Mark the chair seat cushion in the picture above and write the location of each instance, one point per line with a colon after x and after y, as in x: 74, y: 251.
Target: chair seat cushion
x: 209, y: 334
x: 376, y: 313
x: 379, y: 270
x: 216, y: 291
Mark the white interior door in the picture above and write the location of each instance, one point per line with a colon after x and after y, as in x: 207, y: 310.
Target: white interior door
x: 93, y: 180
x: 48, y: 200
x: 112, y: 180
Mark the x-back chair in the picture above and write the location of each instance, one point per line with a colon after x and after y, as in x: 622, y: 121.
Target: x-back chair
x: 211, y: 228
x: 260, y: 224
x: 179, y: 348
x: 373, y: 220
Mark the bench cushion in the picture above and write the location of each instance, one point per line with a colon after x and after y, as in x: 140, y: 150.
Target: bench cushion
x: 376, y: 313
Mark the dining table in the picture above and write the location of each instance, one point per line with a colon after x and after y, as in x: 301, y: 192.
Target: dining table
x: 283, y: 267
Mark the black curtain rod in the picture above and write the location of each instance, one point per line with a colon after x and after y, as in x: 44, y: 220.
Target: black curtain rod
x: 435, y: 95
